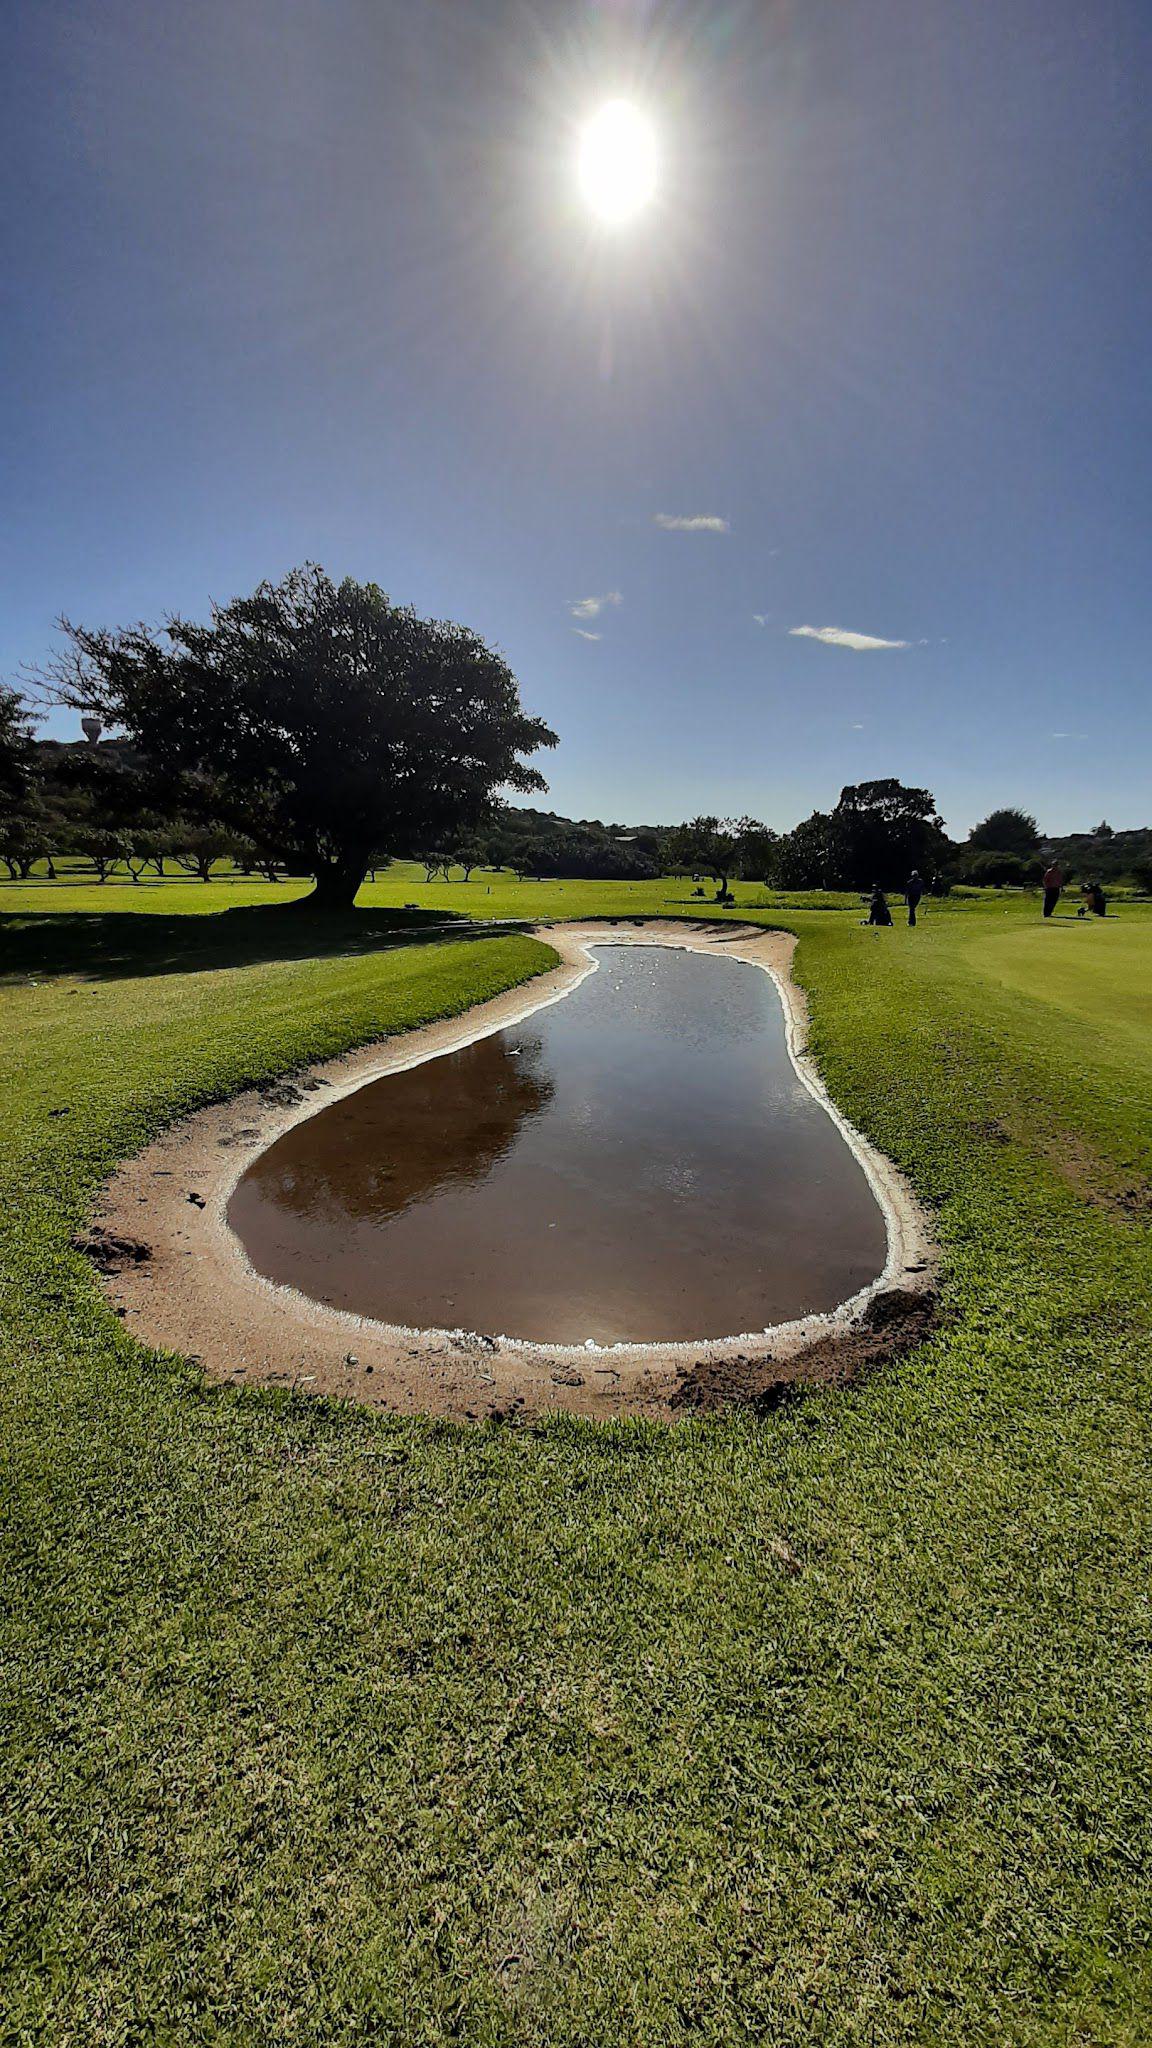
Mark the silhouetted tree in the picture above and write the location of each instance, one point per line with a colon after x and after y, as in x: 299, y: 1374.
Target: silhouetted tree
x: 17, y: 746
x: 1005, y: 831
x: 713, y: 846
x: 23, y: 841
x: 469, y: 854
x: 881, y: 830
x: 803, y: 858
x: 148, y: 847
x: 24, y: 837
x: 315, y: 718
x: 197, y: 852
x: 435, y: 864
x: 756, y: 852
x: 104, y: 848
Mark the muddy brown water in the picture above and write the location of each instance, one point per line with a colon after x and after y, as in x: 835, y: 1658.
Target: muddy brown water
x: 639, y: 1162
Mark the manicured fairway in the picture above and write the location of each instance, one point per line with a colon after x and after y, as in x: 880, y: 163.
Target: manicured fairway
x: 830, y: 1727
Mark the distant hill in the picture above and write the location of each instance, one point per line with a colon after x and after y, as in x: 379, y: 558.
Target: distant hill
x: 1107, y: 856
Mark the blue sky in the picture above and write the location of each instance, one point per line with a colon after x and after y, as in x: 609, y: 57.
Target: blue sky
x: 289, y: 281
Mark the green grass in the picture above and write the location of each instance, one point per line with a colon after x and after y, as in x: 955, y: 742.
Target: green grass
x: 489, y: 894
x: 329, y: 1729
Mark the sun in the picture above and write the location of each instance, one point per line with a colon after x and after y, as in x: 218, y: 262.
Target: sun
x: 617, y: 162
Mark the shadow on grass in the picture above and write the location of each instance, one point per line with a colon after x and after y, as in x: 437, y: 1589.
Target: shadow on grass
x: 708, y: 907
x: 107, y: 945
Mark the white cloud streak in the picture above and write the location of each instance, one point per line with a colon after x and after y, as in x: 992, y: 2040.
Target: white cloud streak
x: 582, y: 635
x: 692, y: 522
x: 761, y: 618
x: 591, y: 607
x: 836, y: 636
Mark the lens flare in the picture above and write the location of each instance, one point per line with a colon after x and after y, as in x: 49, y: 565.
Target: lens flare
x: 617, y: 162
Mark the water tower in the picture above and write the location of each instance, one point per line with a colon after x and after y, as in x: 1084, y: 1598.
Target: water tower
x: 91, y: 728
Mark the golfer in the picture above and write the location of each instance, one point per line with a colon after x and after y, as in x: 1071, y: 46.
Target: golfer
x: 1053, y: 883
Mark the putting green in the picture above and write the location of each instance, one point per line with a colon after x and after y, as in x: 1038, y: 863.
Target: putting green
x: 1097, y: 972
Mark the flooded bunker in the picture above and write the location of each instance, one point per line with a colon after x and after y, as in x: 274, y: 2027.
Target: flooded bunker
x: 638, y: 1163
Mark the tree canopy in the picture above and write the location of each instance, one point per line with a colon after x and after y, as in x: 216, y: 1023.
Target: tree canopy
x: 1008, y: 830
x: 23, y: 838
x: 16, y: 746
x: 878, y: 832
x: 719, y: 846
x: 882, y: 830
x: 318, y: 719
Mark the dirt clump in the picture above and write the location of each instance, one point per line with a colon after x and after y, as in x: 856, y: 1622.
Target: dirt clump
x: 281, y: 1095
x: 894, y: 1321
x: 109, y: 1252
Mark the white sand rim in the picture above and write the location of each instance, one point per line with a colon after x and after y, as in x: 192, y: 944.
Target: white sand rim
x: 197, y: 1293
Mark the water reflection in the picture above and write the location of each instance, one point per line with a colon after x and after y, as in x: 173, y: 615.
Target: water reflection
x: 375, y: 1153
x: 639, y: 1161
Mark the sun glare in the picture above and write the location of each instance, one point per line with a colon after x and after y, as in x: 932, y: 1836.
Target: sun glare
x: 617, y: 162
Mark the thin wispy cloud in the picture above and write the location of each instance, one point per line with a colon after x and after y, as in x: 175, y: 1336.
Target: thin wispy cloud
x: 582, y: 635
x: 691, y: 522
x: 837, y: 636
x: 761, y: 618
x: 591, y: 607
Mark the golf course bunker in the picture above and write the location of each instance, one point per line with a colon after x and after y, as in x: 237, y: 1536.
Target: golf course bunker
x: 641, y: 1163
x: 630, y: 1152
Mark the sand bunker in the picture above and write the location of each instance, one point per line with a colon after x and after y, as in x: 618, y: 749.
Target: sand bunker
x: 180, y: 1277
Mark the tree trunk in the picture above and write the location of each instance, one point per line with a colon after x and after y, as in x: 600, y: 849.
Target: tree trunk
x: 336, y: 885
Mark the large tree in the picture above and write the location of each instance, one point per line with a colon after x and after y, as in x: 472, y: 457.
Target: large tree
x: 318, y: 719
x: 804, y: 858
x: 881, y: 830
x: 17, y: 747
x: 24, y: 838
x: 1007, y: 830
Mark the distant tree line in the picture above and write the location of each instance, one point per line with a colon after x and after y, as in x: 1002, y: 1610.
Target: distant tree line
x: 1007, y: 848
x: 100, y: 803
x: 540, y: 844
x: 96, y: 803
x: 880, y: 831
x: 317, y: 728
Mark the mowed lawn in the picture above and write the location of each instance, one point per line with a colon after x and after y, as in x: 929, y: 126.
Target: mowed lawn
x: 826, y: 1727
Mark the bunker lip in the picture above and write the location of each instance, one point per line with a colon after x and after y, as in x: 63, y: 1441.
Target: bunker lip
x: 196, y: 1292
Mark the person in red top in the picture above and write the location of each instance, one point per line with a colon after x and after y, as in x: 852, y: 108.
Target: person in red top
x: 1053, y: 883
